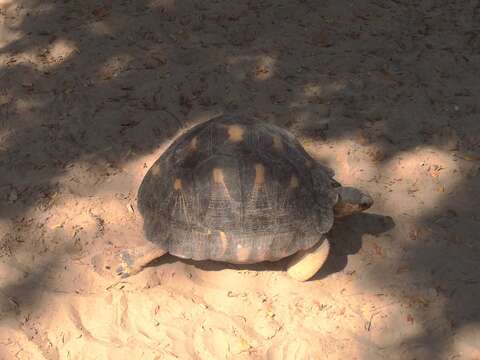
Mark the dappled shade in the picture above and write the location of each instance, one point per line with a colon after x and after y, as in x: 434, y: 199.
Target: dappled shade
x: 384, y: 93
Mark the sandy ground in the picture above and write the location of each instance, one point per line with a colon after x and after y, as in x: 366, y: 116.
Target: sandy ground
x: 384, y: 92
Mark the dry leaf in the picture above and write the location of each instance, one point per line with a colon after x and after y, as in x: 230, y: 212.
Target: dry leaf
x: 422, y: 301
x: 241, y: 345
x: 101, y: 11
x: 414, y: 234
x: 412, y: 190
x: 434, y: 170
x: 261, y: 70
x: 402, y: 269
x: 27, y: 85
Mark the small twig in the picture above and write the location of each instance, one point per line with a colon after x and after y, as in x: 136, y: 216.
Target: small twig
x: 115, y: 284
x: 368, y: 325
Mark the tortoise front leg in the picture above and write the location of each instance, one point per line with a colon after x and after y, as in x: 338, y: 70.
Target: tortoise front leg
x: 306, y: 263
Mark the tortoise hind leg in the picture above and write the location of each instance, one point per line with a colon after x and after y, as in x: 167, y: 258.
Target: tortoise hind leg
x: 130, y: 261
x: 306, y: 263
x: 134, y: 260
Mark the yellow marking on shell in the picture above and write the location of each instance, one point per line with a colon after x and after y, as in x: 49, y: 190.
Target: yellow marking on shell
x: 218, y: 176
x: 243, y: 253
x: 177, y: 185
x: 224, y: 241
x: 235, y: 133
x: 223, y: 236
x: 193, y: 146
x: 156, y: 170
x: 259, y: 174
x: 277, y: 143
x: 294, y: 182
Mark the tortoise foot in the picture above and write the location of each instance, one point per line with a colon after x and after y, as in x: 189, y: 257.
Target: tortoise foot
x: 126, y: 264
x: 306, y: 263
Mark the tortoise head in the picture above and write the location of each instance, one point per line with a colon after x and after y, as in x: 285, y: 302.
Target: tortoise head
x: 351, y: 201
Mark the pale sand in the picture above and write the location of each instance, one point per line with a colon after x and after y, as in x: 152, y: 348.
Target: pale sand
x: 385, y: 93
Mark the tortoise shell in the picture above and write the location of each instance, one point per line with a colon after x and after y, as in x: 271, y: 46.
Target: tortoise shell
x: 236, y: 190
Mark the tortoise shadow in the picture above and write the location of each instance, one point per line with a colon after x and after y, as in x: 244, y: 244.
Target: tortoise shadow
x: 211, y: 265
x: 345, y: 239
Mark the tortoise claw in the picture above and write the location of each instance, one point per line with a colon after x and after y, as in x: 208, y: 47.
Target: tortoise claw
x: 122, y: 272
x: 126, y: 268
